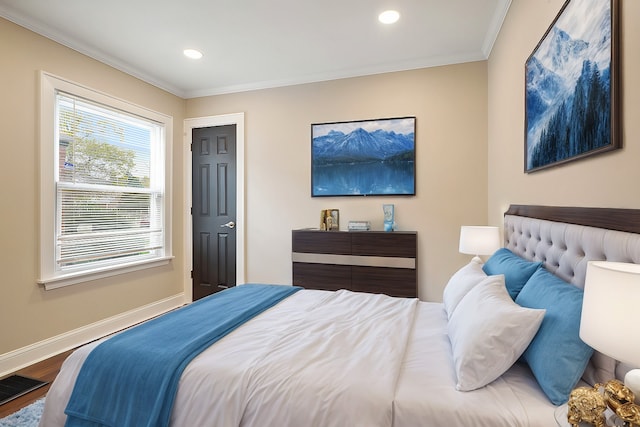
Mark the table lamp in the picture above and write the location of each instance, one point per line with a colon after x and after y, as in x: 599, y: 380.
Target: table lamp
x: 611, y: 298
x: 479, y: 240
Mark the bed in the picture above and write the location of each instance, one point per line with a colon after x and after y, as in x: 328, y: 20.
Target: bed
x: 321, y: 358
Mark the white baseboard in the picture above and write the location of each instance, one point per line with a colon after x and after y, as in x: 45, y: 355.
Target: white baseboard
x: 25, y: 356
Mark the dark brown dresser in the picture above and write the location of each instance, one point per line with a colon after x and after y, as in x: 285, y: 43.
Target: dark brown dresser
x: 363, y: 261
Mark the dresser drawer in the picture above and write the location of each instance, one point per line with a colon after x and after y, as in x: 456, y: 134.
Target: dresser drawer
x: 327, y: 277
x: 321, y: 242
x: 362, y: 261
x: 395, y: 282
x: 393, y: 244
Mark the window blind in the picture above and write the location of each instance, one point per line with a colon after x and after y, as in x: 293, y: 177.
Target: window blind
x: 109, y: 185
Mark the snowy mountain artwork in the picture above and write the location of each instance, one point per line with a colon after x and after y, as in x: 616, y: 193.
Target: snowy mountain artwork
x: 570, y: 86
x: 363, y: 158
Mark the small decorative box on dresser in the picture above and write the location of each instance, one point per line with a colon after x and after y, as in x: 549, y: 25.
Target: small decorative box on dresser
x: 363, y: 261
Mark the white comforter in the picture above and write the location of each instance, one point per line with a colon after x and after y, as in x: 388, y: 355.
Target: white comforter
x: 335, y: 359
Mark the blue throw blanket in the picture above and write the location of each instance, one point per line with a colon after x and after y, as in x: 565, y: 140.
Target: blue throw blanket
x: 131, y: 379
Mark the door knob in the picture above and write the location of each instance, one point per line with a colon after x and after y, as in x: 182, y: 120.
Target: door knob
x: 230, y: 224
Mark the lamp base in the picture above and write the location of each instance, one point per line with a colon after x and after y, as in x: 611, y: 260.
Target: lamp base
x: 632, y: 381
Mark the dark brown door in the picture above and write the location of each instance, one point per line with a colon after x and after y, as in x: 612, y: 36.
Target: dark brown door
x: 214, y: 209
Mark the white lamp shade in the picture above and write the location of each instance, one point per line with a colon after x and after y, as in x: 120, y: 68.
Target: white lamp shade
x: 479, y: 240
x: 611, y: 301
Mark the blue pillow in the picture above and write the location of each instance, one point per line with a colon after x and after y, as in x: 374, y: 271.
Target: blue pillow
x: 516, y: 270
x: 557, y: 356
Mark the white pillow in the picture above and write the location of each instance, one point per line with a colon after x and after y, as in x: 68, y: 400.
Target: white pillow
x: 460, y: 283
x: 489, y: 332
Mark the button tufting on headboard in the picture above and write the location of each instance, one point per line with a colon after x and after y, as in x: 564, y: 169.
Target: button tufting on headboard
x: 565, y: 249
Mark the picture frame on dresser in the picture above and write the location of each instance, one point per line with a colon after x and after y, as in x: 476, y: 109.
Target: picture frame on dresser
x: 572, y: 107
x: 364, y: 158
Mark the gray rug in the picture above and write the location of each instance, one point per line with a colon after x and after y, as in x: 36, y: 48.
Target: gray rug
x: 29, y: 416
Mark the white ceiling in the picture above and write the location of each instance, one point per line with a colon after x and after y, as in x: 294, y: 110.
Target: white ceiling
x: 255, y: 44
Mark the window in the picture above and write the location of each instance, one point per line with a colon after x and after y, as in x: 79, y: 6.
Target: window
x: 105, y: 174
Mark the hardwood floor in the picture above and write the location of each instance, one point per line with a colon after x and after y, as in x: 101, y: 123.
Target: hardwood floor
x: 47, y: 370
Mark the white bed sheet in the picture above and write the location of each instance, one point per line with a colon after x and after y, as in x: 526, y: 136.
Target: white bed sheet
x: 335, y: 359
x: 426, y: 394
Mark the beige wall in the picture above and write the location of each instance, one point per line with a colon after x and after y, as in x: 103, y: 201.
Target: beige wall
x: 28, y: 314
x: 606, y: 180
x: 450, y: 108
x: 450, y: 104
x: 469, y: 164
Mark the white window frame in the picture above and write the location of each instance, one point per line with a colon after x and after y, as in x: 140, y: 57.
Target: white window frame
x: 50, y: 275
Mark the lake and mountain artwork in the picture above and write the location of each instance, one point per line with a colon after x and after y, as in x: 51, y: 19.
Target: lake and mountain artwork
x: 568, y: 86
x: 363, y: 158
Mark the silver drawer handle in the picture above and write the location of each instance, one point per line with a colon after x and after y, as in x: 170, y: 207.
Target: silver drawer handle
x: 230, y: 224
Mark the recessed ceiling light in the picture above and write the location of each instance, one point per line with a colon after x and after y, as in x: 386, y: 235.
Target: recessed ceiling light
x: 192, y: 53
x: 389, y: 16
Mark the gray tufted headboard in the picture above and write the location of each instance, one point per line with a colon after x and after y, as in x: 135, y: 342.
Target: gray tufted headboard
x: 566, y: 238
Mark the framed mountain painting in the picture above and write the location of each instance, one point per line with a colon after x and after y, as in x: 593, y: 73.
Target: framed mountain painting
x: 364, y: 158
x: 571, y: 78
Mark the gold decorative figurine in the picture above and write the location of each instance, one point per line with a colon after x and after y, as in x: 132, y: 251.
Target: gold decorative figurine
x: 629, y: 413
x: 589, y: 404
x: 586, y: 404
x: 621, y: 401
x: 617, y: 394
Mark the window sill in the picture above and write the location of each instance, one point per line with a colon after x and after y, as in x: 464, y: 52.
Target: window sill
x: 85, y: 276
